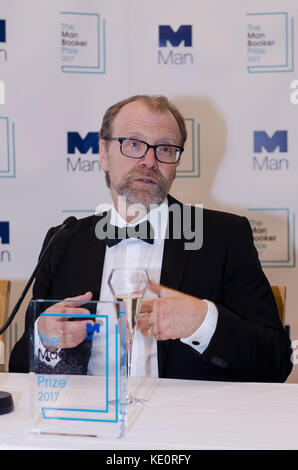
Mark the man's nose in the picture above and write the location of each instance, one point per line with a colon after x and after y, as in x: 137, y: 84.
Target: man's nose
x: 149, y: 160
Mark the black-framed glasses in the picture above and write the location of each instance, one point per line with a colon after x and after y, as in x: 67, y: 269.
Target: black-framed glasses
x: 134, y: 148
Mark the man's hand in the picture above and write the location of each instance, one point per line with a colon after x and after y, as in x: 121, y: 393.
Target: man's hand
x: 172, y: 315
x: 69, y: 333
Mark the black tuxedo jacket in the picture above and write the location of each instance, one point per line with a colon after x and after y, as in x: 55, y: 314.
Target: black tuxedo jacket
x: 249, y: 343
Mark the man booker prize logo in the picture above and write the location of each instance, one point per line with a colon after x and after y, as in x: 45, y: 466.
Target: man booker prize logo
x: 274, y: 236
x: 265, y: 144
x: 181, y: 38
x: 270, y: 42
x: 76, y: 144
x: 83, y: 43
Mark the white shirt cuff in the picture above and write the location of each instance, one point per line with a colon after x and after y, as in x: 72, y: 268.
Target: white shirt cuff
x: 201, y: 338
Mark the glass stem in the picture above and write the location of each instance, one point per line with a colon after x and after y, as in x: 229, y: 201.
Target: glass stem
x: 128, y: 357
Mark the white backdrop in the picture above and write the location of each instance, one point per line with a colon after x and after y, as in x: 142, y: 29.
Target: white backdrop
x: 227, y: 65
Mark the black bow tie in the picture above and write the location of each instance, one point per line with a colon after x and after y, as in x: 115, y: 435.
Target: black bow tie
x: 143, y: 231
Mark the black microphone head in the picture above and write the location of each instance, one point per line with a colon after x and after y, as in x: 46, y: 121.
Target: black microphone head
x: 70, y: 222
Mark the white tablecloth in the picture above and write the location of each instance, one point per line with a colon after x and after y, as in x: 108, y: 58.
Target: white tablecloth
x: 180, y: 415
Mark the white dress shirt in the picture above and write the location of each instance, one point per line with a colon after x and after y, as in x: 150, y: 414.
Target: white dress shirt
x: 135, y: 253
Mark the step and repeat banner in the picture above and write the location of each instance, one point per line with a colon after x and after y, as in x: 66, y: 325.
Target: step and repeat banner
x: 232, y: 69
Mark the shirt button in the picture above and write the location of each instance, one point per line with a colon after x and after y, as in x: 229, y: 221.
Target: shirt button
x: 195, y: 343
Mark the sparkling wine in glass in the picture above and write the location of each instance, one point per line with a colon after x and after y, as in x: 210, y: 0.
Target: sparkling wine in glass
x: 129, y: 286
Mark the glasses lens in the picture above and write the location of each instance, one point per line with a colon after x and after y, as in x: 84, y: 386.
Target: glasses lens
x: 133, y: 148
x: 167, y: 153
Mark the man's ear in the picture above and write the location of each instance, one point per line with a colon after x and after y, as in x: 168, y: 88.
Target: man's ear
x: 103, y: 158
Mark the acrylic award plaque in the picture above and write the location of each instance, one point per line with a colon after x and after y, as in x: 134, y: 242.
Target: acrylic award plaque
x: 78, y: 368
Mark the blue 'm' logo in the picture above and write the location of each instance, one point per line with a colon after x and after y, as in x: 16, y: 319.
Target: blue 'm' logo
x: 184, y: 33
x: 262, y: 140
x: 91, y: 329
x: 4, y: 232
x: 75, y: 141
x: 2, y: 31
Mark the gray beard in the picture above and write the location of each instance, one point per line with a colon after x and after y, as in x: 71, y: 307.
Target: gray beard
x: 146, y: 197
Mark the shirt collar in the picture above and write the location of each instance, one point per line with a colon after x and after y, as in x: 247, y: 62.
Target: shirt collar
x: 158, y: 218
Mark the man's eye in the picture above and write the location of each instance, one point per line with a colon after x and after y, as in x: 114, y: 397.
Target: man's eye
x: 134, y: 143
x: 165, y: 149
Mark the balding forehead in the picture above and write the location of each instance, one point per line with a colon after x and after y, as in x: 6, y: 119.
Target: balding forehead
x: 139, y: 117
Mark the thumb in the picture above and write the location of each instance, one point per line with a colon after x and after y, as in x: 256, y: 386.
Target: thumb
x: 78, y: 300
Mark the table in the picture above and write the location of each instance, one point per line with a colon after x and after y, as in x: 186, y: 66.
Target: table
x: 181, y: 415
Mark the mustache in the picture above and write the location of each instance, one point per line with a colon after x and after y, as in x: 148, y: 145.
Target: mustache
x: 155, y: 175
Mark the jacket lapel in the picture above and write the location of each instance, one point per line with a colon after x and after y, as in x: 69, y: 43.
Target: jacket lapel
x: 96, y: 254
x: 174, y: 259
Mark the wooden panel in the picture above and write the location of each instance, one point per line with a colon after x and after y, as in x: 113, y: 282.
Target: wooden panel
x: 4, y: 300
x: 279, y: 293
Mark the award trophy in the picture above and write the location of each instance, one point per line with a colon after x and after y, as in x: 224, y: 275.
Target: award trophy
x: 72, y: 385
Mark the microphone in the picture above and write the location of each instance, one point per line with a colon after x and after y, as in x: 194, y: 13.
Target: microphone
x: 6, y: 401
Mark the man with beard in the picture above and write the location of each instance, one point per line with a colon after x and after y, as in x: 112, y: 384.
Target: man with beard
x: 211, y: 315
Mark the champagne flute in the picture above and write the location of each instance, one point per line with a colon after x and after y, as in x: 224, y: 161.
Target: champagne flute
x: 129, y: 286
